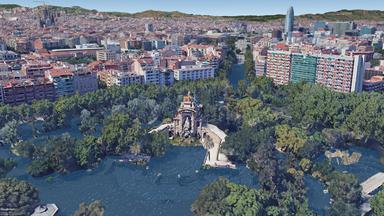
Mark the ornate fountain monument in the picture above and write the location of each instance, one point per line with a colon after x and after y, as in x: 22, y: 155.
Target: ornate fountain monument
x: 188, y: 120
x: 188, y: 123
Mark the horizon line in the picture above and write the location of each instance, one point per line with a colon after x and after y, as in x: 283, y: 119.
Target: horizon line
x: 187, y: 13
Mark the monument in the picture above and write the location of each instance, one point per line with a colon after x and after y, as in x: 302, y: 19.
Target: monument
x: 188, y: 120
x: 188, y: 123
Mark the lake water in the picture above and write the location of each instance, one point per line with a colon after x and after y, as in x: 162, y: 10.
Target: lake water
x: 237, y: 73
x: 135, y: 190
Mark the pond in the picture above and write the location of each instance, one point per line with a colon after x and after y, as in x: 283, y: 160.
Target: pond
x: 236, y: 74
x: 168, y: 186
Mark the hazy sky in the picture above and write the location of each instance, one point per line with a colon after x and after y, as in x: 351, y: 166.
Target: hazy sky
x: 216, y: 7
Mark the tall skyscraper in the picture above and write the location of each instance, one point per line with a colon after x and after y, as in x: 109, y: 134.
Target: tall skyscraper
x: 148, y: 27
x: 289, y: 23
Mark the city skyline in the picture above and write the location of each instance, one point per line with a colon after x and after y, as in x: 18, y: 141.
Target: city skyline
x: 215, y: 7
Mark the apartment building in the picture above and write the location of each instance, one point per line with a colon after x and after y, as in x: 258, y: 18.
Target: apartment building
x: 120, y: 78
x: 303, y: 68
x: 16, y: 92
x: 279, y: 66
x: 35, y: 70
x: 63, y: 81
x: 194, y: 72
x: 106, y: 55
x: 340, y: 73
x: 375, y: 83
x: 85, y: 80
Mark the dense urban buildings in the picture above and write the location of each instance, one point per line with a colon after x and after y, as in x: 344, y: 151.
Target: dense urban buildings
x: 76, y: 53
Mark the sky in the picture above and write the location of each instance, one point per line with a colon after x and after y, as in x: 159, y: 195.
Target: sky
x: 214, y: 7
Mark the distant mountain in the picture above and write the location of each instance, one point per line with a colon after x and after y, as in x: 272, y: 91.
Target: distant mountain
x: 153, y: 13
x: 342, y: 15
x: 9, y: 6
x: 264, y: 18
x: 374, y: 15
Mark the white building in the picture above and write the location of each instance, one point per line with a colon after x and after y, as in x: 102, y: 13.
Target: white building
x: 107, y: 55
x: 195, y: 72
x: 127, y: 78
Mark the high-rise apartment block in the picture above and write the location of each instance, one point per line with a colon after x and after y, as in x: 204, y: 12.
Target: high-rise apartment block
x: 303, y: 68
x: 279, y: 66
x: 340, y: 73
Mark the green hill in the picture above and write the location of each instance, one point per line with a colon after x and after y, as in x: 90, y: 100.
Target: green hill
x: 265, y: 18
x: 373, y: 15
x: 9, y: 6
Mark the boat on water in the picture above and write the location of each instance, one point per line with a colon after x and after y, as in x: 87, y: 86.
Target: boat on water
x: 46, y: 210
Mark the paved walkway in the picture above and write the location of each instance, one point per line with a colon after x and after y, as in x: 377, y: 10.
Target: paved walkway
x: 372, y: 183
x: 161, y: 128
x: 214, y: 158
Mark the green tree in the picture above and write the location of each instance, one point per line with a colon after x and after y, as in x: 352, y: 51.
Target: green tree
x: 6, y: 165
x: 89, y: 151
x: 39, y: 168
x: 87, y: 122
x: 93, y: 209
x: 17, y: 197
x: 344, y: 188
x: 290, y: 139
x: 8, y: 134
x: 223, y: 197
x: 24, y: 149
x: 377, y: 203
x: 340, y: 208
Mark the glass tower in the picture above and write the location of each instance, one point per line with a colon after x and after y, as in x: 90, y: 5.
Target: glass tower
x: 289, y: 22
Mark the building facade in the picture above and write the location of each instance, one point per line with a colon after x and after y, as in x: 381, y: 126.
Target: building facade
x: 194, y: 73
x: 85, y: 80
x: 17, y: 92
x: 63, y: 81
x: 303, y: 68
x: 289, y: 24
x: 279, y: 67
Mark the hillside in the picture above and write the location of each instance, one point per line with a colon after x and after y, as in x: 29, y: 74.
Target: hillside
x: 265, y: 18
x: 9, y: 6
x: 373, y: 15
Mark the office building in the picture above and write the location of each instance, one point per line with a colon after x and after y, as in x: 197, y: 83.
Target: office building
x: 289, y: 24
x: 340, y: 28
x: 148, y: 27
